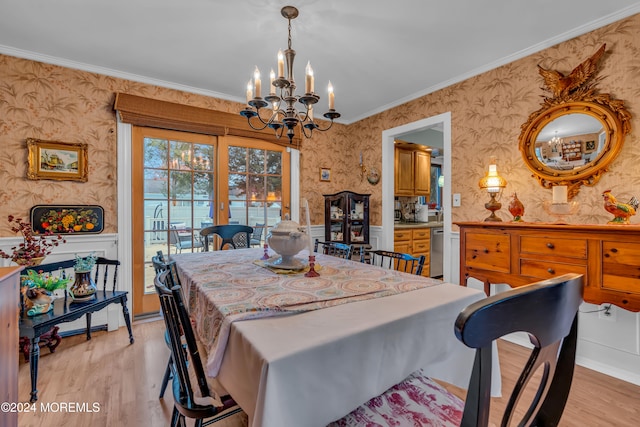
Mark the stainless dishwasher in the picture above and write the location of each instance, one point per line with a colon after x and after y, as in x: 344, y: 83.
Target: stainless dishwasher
x: 437, y: 245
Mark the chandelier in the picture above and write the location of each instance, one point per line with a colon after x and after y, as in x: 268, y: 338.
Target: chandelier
x: 279, y: 105
x: 555, y: 139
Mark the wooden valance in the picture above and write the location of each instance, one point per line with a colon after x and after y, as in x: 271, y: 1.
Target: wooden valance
x: 141, y: 111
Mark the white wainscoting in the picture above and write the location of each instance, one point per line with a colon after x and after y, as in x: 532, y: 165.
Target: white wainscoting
x: 102, y: 245
x: 608, y: 345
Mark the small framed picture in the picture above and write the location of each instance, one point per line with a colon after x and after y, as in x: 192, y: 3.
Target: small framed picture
x: 589, y: 146
x: 61, y: 161
x: 325, y: 174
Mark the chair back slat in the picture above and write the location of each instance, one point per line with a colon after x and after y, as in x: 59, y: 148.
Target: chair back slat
x: 548, y: 312
x: 336, y: 249
x: 106, y: 272
x: 235, y: 235
x: 395, y: 261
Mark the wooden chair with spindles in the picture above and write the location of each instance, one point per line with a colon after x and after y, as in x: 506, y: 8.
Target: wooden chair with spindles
x: 193, y: 397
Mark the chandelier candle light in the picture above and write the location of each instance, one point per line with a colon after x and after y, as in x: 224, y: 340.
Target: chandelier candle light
x: 282, y: 112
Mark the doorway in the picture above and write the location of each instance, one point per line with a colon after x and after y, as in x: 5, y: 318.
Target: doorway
x: 442, y: 121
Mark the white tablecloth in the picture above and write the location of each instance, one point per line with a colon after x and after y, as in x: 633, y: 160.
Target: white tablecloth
x: 311, y: 368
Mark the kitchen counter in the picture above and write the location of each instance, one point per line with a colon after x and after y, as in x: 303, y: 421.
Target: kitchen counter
x: 411, y: 225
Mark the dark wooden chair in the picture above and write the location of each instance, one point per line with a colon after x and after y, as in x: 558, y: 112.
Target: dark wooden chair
x: 394, y: 260
x: 236, y: 235
x: 195, y: 401
x: 548, y: 312
x: 336, y: 249
x: 160, y: 265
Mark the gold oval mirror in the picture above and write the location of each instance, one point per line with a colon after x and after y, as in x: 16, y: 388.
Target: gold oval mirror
x: 577, y: 133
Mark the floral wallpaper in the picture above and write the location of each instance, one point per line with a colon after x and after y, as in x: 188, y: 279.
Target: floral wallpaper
x: 488, y: 110
x: 50, y: 102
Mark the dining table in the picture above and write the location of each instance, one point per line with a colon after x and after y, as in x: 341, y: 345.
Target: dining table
x: 304, y: 351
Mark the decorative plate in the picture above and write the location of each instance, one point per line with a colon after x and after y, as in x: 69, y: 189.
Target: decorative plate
x: 59, y: 219
x: 374, y: 176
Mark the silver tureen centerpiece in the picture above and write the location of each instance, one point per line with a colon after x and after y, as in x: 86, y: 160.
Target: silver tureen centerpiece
x: 287, y: 239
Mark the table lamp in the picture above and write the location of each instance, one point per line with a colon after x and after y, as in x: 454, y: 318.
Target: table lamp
x: 494, y: 184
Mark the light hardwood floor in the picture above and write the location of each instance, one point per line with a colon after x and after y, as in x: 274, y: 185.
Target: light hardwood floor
x: 124, y: 381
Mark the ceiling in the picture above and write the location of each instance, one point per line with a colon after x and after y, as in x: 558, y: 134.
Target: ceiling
x: 377, y: 54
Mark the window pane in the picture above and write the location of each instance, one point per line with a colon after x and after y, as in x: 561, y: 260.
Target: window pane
x: 202, y: 186
x: 274, y: 188
x: 237, y: 187
x: 274, y: 162
x: 256, y: 160
x: 202, y: 157
x: 180, y: 183
x: 155, y: 183
x: 257, y: 188
x: 155, y: 153
x: 237, y: 159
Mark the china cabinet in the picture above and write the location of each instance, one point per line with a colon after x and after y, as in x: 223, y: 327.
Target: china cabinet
x: 346, y: 217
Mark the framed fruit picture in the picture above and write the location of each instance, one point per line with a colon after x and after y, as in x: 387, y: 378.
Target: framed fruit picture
x: 76, y: 219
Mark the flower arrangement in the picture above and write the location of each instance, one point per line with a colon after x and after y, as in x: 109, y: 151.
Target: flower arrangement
x: 45, y: 281
x: 34, y: 245
x: 85, y: 264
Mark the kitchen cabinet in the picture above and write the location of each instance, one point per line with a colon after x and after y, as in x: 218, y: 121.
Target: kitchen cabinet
x: 521, y: 253
x: 412, y: 170
x: 346, y: 217
x: 416, y: 242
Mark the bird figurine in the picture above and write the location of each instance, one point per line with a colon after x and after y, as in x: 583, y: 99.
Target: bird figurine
x: 36, y: 300
x: 561, y: 85
x: 516, y: 208
x: 621, y: 211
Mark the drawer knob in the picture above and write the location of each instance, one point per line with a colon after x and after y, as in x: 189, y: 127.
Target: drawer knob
x: 551, y: 271
x: 550, y: 245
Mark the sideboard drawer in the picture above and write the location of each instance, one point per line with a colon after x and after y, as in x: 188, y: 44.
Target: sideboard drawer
x: 544, y: 245
x: 546, y: 270
x: 620, y: 270
x: 488, y: 251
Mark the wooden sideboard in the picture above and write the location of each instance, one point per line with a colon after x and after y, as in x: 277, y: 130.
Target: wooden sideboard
x: 520, y: 253
x: 9, y: 312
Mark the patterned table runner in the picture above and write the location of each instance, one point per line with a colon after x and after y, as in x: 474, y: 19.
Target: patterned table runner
x: 226, y: 286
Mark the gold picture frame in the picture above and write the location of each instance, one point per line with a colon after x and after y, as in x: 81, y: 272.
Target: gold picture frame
x: 60, y: 161
x: 325, y: 174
